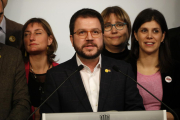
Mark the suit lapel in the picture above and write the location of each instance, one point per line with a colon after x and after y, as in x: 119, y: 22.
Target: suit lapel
x: 2, y: 59
x: 105, y: 82
x: 1, y: 55
x: 10, y: 29
x: 78, y: 86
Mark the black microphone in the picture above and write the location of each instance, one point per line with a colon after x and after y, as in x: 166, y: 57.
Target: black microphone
x: 78, y: 69
x: 117, y: 70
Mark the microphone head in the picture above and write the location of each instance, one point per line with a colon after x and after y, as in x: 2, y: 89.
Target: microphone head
x: 80, y: 67
x: 115, y: 68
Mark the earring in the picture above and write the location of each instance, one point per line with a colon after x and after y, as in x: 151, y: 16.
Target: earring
x: 25, y: 54
x: 47, y: 47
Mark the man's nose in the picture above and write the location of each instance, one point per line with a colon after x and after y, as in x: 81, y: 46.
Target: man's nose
x: 89, y: 36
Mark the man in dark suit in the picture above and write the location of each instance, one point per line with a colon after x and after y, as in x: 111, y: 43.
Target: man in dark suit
x: 174, y: 37
x: 10, y: 31
x: 14, y: 97
x: 97, y: 87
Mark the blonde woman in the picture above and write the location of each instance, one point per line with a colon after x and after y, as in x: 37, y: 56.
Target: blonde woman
x: 117, y: 29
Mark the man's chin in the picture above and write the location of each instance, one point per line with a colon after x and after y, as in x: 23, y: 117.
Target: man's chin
x: 89, y: 55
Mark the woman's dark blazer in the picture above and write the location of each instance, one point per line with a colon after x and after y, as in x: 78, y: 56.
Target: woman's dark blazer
x: 174, y: 38
x: 171, y: 91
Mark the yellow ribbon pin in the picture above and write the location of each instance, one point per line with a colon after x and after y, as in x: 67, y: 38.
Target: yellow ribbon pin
x: 107, y: 70
x: 12, y: 38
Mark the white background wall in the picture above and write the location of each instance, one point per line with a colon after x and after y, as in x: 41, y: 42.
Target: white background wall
x: 59, y: 12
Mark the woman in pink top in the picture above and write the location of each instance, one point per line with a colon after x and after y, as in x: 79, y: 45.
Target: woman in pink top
x: 151, y: 60
x: 38, y: 47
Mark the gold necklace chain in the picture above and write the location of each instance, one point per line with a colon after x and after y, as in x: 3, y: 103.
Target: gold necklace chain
x: 31, y: 68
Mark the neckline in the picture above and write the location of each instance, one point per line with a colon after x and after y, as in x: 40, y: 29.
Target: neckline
x: 120, y: 56
x: 149, y: 75
x: 32, y: 71
x: 38, y: 74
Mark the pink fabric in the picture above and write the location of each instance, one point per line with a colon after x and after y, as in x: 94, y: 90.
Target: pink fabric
x: 27, y: 66
x: 153, y: 84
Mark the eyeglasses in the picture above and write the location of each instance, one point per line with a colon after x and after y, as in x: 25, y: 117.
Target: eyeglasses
x: 83, y: 33
x: 118, y: 26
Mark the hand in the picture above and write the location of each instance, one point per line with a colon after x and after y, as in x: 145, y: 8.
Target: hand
x: 169, y: 116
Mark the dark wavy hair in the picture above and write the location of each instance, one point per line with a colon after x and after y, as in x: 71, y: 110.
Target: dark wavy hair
x: 148, y: 15
x: 52, y: 48
x: 85, y: 13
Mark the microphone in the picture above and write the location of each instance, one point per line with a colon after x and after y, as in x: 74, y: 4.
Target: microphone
x: 80, y: 67
x: 117, y: 70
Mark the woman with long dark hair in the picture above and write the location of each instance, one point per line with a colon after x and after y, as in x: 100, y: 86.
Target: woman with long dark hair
x: 151, y: 61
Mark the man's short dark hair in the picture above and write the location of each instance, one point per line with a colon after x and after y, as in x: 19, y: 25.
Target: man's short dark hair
x: 85, y: 13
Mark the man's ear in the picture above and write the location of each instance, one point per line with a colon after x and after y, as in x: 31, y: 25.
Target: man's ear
x: 72, y: 40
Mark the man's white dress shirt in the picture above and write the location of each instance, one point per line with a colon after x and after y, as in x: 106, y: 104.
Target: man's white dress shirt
x: 91, y: 81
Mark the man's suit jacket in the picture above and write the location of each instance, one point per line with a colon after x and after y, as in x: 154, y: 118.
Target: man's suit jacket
x: 117, y: 92
x: 13, y: 33
x: 174, y: 37
x: 14, y: 97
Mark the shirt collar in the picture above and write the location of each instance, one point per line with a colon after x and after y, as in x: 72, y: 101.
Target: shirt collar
x: 3, y: 24
x: 86, y: 67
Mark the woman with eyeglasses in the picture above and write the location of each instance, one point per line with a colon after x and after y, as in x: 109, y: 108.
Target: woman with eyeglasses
x: 38, y: 47
x: 117, y: 29
x: 152, y: 64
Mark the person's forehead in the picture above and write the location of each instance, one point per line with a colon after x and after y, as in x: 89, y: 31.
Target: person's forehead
x: 1, y: 7
x: 112, y: 16
x: 4, y: 3
x: 87, y: 22
x: 34, y: 26
x: 151, y: 24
